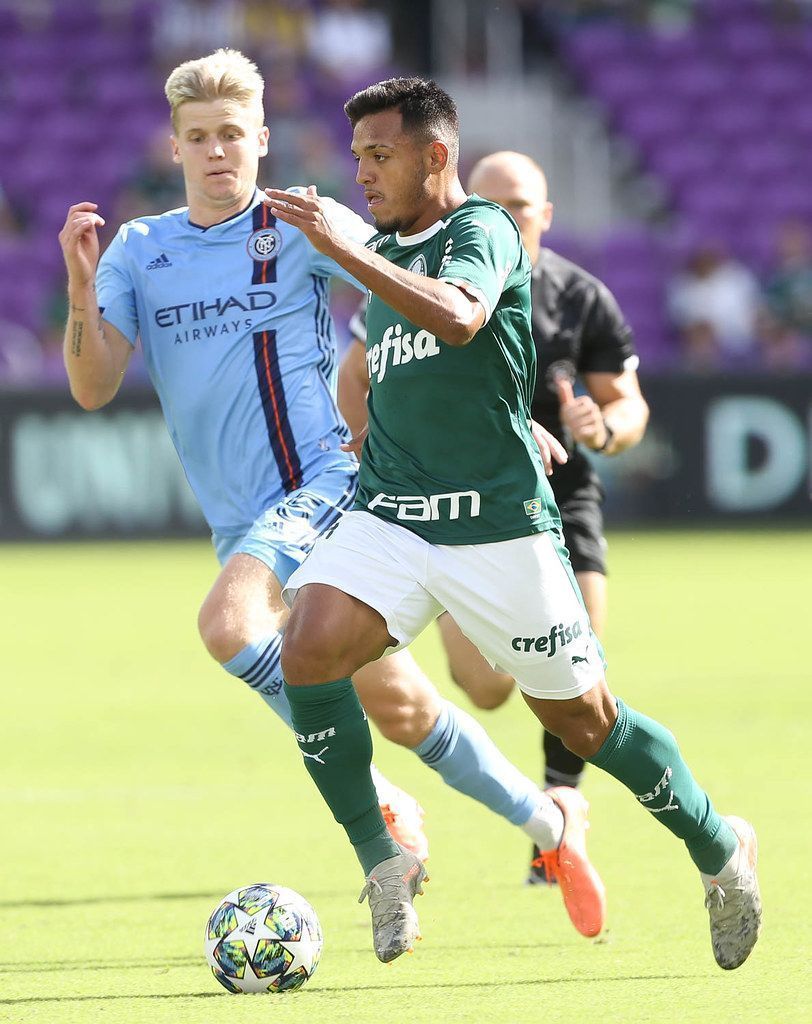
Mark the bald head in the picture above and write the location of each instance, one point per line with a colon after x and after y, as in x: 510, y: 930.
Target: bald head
x: 516, y: 182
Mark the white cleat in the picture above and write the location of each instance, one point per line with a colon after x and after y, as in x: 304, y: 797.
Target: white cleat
x: 390, y: 887
x: 733, y: 900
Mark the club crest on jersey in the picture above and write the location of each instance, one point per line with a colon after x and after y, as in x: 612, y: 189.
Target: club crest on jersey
x: 264, y: 244
x: 418, y: 266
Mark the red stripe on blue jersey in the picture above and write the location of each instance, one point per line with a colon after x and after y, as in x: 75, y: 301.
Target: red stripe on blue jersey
x: 272, y: 395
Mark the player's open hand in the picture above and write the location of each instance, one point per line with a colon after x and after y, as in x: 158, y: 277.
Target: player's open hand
x: 550, y: 448
x: 355, y: 444
x: 581, y: 416
x: 80, y: 243
x: 310, y: 213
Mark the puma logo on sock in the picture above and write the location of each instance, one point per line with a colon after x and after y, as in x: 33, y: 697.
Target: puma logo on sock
x: 316, y: 757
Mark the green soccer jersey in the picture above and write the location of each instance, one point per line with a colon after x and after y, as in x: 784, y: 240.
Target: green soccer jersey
x: 449, y: 454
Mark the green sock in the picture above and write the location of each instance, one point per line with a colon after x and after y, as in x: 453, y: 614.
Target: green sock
x: 644, y: 756
x: 333, y: 735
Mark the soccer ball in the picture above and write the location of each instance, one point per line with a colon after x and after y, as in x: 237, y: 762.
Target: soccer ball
x: 263, y: 938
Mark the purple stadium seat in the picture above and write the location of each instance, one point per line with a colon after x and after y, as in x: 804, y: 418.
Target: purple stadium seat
x: 759, y: 157
x: 598, y: 43
x: 9, y: 25
x: 633, y: 245
x: 122, y: 89
x: 655, y: 120
x: 781, y: 200
x: 72, y: 21
x: 25, y: 51
x: 731, y: 118
x: 719, y: 199
x: 27, y: 177
x: 745, y: 41
x: 23, y: 301
x: 755, y: 244
x: 701, y: 81
x: 682, y: 162
x: 115, y: 51
x: 621, y: 81
x: 779, y: 81
x: 664, y: 49
x: 730, y: 11
x: 572, y: 247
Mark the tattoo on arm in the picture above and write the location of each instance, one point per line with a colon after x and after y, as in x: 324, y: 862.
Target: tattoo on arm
x: 76, y: 338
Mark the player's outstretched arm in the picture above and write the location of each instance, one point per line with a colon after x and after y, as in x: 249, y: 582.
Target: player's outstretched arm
x: 95, y: 353
x: 436, y: 306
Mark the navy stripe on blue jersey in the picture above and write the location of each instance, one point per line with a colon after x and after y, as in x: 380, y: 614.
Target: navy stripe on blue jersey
x: 326, y: 344
x: 272, y: 395
x: 322, y: 326
x: 331, y: 516
x: 264, y: 270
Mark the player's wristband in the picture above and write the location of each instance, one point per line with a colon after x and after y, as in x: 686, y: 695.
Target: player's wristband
x: 608, y: 439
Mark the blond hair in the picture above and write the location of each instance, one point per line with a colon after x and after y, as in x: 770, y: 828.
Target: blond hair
x: 222, y: 75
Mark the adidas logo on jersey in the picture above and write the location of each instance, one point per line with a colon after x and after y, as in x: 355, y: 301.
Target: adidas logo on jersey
x: 403, y: 348
x: 160, y: 261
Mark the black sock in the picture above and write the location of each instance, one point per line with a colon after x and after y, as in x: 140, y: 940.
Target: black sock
x: 561, y: 766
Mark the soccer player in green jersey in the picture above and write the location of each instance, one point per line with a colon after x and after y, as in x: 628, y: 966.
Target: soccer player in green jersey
x: 454, y: 512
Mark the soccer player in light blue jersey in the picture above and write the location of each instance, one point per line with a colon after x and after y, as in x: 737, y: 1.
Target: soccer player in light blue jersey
x: 231, y: 309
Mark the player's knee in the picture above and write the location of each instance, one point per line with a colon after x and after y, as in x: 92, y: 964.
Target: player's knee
x: 583, y: 725
x: 581, y: 739
x: 219, y: 633
x: 490, y: 697
x: 405, y: 722
x: 484, y: 693
x: 398, y: 725
x: 309, y: 657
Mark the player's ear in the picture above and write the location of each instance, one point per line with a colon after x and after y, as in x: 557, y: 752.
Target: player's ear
x: 547, y: 217
x: 437, y: 155
x: 175, y: 149
x: 264, y: 135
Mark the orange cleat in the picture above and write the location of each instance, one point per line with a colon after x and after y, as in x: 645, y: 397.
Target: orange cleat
x: 580, y: 884
x: 403, y: 816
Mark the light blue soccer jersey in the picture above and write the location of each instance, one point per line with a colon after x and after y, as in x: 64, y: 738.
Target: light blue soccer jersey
x: 238, y: 340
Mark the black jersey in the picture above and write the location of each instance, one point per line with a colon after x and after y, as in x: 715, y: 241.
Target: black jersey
x: 577, y: 328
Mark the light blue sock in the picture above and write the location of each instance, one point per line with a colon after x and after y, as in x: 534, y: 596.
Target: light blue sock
x: 258, y: 666
x: 468, y: 760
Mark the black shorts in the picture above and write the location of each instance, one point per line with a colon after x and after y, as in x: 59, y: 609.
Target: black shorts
x: 582, y: 519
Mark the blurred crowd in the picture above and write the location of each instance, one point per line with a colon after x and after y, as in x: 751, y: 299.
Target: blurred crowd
x: 726, y: 319
x: 722, y: 314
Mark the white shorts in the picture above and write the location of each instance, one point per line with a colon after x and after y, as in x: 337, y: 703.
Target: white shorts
x: 516, y: 600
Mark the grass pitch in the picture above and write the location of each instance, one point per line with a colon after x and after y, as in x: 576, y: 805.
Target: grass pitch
x: 140, y: 784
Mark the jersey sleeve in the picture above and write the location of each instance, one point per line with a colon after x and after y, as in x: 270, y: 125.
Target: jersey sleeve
x: 607, y: 342
x: 115, y: 290
x: 354, y: 228
x: 482, y: 250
